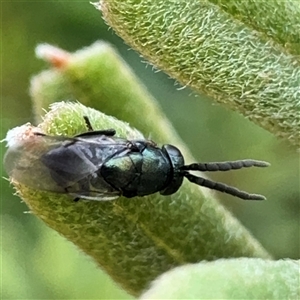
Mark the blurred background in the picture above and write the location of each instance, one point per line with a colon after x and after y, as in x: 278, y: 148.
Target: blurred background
x: 37, y: 263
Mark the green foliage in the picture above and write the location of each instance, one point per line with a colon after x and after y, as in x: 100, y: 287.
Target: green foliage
x: 230, y: 279
x: 218, y: 49
x: 277, y: 20
x: 39, y: 264
x: 133, y: 240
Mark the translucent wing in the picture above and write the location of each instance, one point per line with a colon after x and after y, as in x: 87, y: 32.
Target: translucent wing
x: 63, y: 165
x: 23, y: 164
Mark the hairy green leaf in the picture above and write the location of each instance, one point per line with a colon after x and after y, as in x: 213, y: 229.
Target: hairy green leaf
x: 242, y: 278
x: 244, y: 54
x: 133, y: 240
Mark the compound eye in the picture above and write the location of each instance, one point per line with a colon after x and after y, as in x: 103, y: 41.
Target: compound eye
x: 174, y: 155
x: 177, y: 161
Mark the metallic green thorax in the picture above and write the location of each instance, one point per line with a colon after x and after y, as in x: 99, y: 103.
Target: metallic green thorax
x: 147, y: 171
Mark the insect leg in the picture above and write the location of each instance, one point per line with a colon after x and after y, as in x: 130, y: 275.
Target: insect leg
x: 221, y: 187
x: 91, y: 131
x: 94, y: 196
x: 39, y: 134
x: 107, y: 132
x: 88, y: 123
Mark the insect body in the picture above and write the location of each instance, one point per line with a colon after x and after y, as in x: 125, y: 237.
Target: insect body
x: 99, y: 166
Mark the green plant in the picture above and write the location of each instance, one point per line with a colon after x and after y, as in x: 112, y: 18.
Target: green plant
x: 137, y: 240
x: 237, y: 52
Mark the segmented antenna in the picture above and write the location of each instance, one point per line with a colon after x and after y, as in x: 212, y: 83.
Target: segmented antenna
x: 223, y: 166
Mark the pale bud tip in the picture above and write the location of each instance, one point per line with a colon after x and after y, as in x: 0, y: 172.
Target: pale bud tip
x: 54, y: 55
x: 18, y: 135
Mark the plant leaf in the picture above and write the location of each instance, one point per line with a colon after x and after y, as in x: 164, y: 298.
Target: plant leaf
x: 242, y: 278
x: 133, y: 240
x: 236, y: 52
